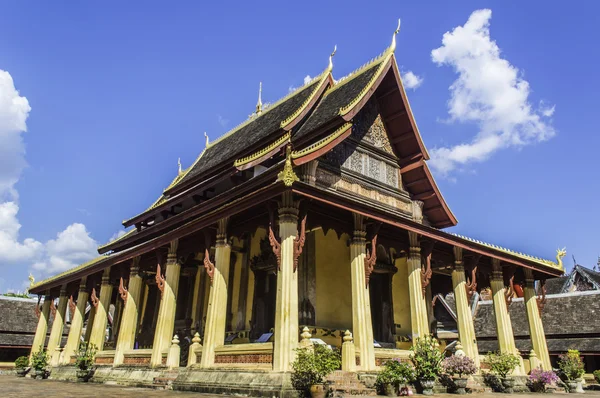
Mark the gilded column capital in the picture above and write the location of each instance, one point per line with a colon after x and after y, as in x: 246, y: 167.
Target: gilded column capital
x: 458, y: 255
x: 83, y: 284
x: 106, y: 276
x: 496, y: 270
x: 63, y: 290
x: 359, y: 237
x: 288, y: 208
x: 135, y: 267
x: 222, y: 232
x: 172, y: 254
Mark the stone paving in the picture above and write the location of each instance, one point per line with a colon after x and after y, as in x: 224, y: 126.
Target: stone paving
x: 18, y: 387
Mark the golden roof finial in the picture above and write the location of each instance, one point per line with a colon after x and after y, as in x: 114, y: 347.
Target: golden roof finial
x: 179, y: 165
x: 259, y: 103
x: 330, y: 67
x: 393, y: 46
x: 31, y: 279
x: 206, y: 137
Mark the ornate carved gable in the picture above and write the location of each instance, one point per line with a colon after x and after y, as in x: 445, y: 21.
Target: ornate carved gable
x: 369, y: 128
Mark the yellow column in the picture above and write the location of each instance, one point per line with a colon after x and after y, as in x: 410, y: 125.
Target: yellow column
x: 362, y: 326
x: 196, y: 297
x: 216, y: 315
x: 58, y: 323
x: 76, y: 323
x: 504, y: 330
x: 286, y: 302
x: 466, y: 330
x: 129, y: 318
x: 163, y: 334
x: 98, y: 335
x: 536, y: 328
x: 418, y: 309
x: 42, y: 327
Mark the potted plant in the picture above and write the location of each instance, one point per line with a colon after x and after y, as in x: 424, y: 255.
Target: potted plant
x: 572, y: 367
x: 39, y: 362
x: 459, y: 367
x: 84, y: 361
x: 597, y: 375
x: 426, y: 358
x: 540, y: 379
x: 22, y: 366
x: 502, y: 364
x: 394, y: 374
x: 311, y: 367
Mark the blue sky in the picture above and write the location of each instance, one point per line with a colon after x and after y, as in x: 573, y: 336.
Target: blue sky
x: 119, y: 91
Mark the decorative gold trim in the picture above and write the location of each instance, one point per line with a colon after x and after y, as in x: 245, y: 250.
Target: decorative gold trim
x: 322, y: 142
x: 287, y: 175
x: 538, y: 260
x: 307, y: 101
x: 348, y: 107
x: 257, y: 155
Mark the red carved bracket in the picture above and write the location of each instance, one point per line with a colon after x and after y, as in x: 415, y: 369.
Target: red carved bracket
x: 434, y: 301
x: 509, y: 291
x: 94, y: 298
x: 426, y: 274
x: 209, y: 266
x: 541, y: 301
x: 471, y: 285
x: 72, y: 306
x: 299, y: 242
x: 370, y: 260
x: 276, y: 246
x: 53, y: 308
x: 160, y: 280
x: 123, y: 291
x: 37, y: 310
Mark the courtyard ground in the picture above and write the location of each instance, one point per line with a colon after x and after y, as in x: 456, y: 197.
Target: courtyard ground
x: 17, y: 387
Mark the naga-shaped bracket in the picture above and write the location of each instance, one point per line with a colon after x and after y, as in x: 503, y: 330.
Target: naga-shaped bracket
x: 72, y: 306
x: 160, y: 279
x: 53, y: 308
x: 426, y: 274
x: 541, y: 301
x: 94, y: 298
x: 509, y: 291
x: 208, y: 265
x: 370, y: 260
x: 276, y: 246
x: 123, y: 291
x: 298, y: 242
x: 471, y: 285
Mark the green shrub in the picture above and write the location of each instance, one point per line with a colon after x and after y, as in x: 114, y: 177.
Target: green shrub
x: 397, y: 373
x: 426, y: 358
x: 22, y: 362
x: 312, y: 366
x: 597, y: 375
x: 85, y: 355
x: 502, y: 364
x: 571, y: 365
x: 39, y: 360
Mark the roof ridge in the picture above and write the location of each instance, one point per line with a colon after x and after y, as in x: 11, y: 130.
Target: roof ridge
x: 378, y: 60
x: 71, y: 270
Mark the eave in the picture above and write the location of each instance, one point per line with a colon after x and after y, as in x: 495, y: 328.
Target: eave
x: 347, y: 202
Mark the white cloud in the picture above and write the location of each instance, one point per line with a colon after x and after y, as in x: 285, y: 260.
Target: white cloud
x: 307, y: 79
x: 72, y: 246
x: 222, y: 121
x: 411, y: 81
x: 489, y: 92
x: 117, y: 235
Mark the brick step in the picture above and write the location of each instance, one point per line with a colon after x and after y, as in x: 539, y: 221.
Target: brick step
x: 347, y: 383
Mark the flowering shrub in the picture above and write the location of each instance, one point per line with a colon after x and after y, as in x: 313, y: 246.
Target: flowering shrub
x: 571, y: 365
x: 539, y: 379
x: 459, y: 365
x: 85, y: 355
x: 396, y: 372
x: 502, y: 363
x: 597, y: 375
x: 312, y: 366
x: 426, y: 357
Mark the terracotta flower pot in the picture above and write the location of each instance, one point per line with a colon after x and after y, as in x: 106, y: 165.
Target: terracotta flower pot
x: 317, y: 391
x: 572, y: 385
x: 21, y: 372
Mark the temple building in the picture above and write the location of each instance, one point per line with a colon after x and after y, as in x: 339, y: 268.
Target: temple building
x: 316, y: 216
